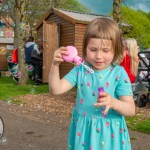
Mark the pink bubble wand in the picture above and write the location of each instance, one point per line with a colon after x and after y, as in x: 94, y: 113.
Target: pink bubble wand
x: 74, y: 58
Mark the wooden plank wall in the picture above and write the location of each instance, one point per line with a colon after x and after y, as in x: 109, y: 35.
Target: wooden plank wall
x: 79, y: 34
x: 50, y: 36
x: 66, y: 37
x: 40, y: 32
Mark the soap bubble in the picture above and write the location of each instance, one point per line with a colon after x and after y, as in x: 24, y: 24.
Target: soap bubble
x: 17, y: 74
x: 32, y: 91
x: 8, y: 73
x: 9, y: 59
x: 30, y: 68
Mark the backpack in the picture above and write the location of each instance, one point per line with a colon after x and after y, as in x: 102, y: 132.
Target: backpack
x: 28, y: 53
x: 35, y: 56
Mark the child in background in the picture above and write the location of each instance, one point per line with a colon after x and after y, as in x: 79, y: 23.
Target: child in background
x: 15, y: 56
x: 15, y: 68
x: 89, y: 129
x: 131, y: 60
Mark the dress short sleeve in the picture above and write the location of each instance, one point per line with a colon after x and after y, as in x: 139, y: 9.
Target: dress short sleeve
x: 123, y: 87
x: 71, y: 77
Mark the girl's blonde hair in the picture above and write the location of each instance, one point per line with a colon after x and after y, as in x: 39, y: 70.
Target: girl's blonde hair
x: 133, y: 53
x: 104, y: 28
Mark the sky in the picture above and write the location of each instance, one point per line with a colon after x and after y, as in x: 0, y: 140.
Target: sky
x: 104, y: 7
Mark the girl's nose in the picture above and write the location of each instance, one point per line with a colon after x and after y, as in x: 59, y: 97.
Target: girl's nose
x: 99, y: 54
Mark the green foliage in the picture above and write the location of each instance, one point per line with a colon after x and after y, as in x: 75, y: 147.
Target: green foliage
x: 35, y: 9
x: 74, y: 5
x: 10, y: 90
x: 148, y: 15
x: 140, y: 24
x: 34, y: 12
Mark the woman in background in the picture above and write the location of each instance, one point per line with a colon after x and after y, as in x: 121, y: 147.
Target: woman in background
x: 131, y: 60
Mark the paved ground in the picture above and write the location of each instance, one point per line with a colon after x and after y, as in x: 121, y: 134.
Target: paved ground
x: 27, y: 133
x: 30, y: 133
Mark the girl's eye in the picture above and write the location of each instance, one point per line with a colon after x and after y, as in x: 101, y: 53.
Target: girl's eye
x: 92, y: 49
x: 106, y: 50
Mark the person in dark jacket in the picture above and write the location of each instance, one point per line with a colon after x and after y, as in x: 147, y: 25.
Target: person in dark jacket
x: 37, y: 61
x: 29, y: 46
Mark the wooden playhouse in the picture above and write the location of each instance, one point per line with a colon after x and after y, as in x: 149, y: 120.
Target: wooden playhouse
x: 61, y: 28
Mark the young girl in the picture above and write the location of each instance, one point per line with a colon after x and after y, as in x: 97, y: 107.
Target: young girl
x: 93, y: 128
x: 131, y: 60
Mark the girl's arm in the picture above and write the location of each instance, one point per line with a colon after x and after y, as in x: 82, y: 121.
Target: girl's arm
x: 57, y: 85
x: 124, y: 106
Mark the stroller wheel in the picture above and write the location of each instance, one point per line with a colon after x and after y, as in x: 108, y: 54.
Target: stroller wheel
x: 142, y: 99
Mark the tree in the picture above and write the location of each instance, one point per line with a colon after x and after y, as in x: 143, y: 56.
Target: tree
x: 20, y: 27
x: 25, y: 12
x: 117, y: 4
x: 16, y: 10
x: 148, y: 15
x: 140, y: 23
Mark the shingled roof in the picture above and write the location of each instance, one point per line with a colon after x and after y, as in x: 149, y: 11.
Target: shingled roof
x: 73, y: 16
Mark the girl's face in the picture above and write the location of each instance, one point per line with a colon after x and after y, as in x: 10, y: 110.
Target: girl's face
x: 99, y: 53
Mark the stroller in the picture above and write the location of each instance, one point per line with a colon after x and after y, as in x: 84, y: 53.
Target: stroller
x: 141, y: 88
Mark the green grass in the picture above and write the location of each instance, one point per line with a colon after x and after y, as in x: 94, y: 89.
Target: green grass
x: 139, y: 123
x: 9, y: 90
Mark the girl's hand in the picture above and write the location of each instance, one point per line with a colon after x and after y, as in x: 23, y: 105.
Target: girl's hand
x: 105, y: 100
x: 57, y: 59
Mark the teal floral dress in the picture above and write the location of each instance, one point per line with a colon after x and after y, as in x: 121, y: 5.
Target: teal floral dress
x: 89, y: 129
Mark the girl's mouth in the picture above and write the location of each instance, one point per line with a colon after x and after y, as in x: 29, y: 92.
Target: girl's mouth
x: 98, y: 62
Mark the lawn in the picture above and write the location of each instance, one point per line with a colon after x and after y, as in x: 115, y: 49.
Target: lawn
x: 139, y: 123
x: 9, y: 89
